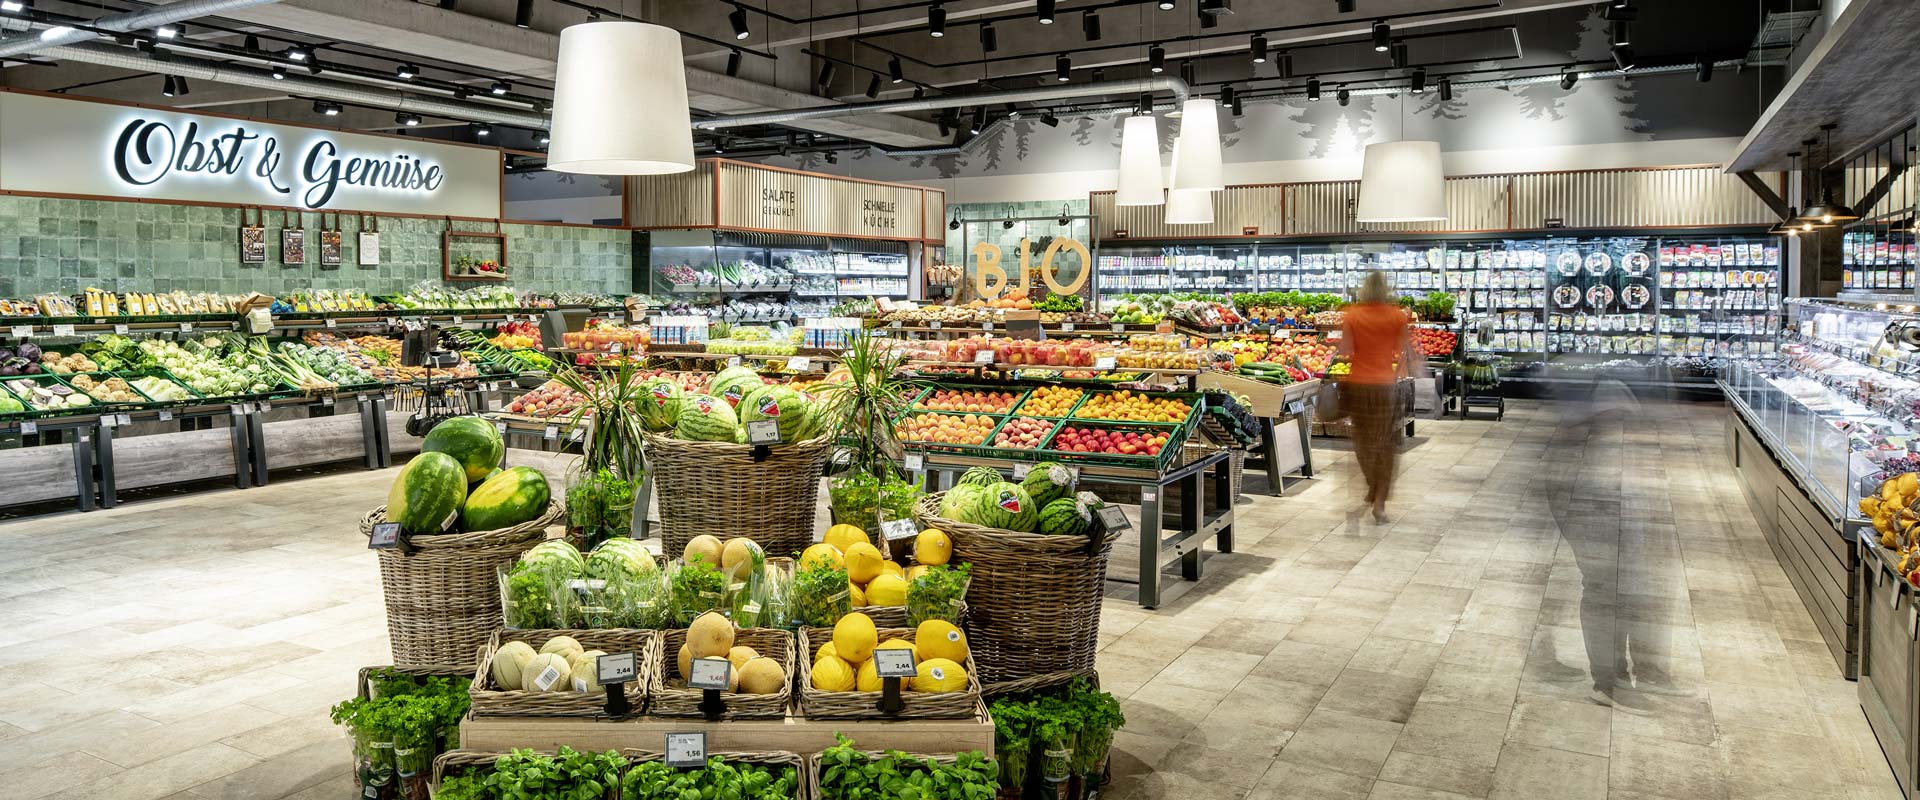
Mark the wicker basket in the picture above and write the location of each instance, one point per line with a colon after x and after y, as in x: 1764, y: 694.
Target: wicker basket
x: 704, y: 487
x: 1037, y: 682
x: 896, y: 616
x: 1026, y: 588
x: 491, y: 700
x: 820, y: 704
x: 803, y: 789
x: 668, y: 695
x: 443, y: 600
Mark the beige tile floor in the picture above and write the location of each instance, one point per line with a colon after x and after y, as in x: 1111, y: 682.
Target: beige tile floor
x: 190, y: 647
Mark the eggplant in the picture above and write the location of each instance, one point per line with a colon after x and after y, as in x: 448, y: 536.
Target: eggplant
x: 6, y: 353
x: 9, y: 370
x: 30, y: 351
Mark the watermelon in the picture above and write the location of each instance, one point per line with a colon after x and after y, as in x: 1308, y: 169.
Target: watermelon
x: 732, y: 383
x: 814, y: 423
x: 957, y: 499
x: 471, y: 441
x: 1005, y: 506
x: 1048, y: 482
x: 778, y: 403
x: 659, y: 404
x: 705, y: 418
x: 555, y: 553
x: 619, y: 557
x: 980, y: 476
x: 513, y: 497
x: 1064, y: 517
x: 426, y: 497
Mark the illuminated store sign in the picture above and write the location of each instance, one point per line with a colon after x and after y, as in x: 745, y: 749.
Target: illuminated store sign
x: 149, y: 151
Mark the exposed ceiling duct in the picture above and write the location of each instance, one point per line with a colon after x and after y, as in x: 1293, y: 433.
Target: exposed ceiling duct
x: 293, y: 84
x: 1127, y: 87
x: 170, y: 14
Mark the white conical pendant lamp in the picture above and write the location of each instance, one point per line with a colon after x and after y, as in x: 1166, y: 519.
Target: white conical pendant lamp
x: 1402, y: 182
x: 620, y: 101
x: 1139, y: 164
x: 1187, y: 206
x: 1198, y: 147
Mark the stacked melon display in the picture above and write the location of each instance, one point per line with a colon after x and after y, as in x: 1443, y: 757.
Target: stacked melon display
x: 845, y: 664
x: 1043, y: 502
x: 735, y: 398
x: 711, y: 637
x: 560, y: 665
x: 456, y: 483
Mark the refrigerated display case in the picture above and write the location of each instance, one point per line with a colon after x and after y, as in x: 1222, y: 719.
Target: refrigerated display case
x: 742, y: 277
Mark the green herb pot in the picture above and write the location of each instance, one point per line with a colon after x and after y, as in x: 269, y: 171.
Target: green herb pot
x: 376, y: 771
x: 1013, y: 757
x: 413, y: 767
x: 1056, y: 759
x: 1090, y: 750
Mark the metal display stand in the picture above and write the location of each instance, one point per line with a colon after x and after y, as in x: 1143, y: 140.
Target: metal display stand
x: 1204, y: 512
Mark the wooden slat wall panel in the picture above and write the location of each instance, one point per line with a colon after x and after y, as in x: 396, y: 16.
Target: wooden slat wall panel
x: 1694, y: 196
x: 934, y: 222
x: 1234, y: 210
x: 680, y: 200
x: 1899, y: 197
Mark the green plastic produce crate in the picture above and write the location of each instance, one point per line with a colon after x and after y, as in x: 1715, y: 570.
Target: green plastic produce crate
x: 144, y: 402
x: 1084, y: 394
x: 1156, y: 462
x: 131, y: 375
x: 1019, y: 396
x: 1194, y: 401
x: 985, y: 448
x: 18, y: 386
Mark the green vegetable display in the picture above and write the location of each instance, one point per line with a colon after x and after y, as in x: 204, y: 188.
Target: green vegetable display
x: 695, y: 588
x: 404, y: 722
x: 849, y: 774
x: 718, y: 780
x: 566, y: 775
x: 819, y: 595
x: 1059, y: 302
x: 1078, y: 720
x: 937, y: 594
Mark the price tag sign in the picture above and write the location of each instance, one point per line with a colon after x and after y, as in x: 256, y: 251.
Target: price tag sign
x: 1114, y: 518
x: 332, y: 323
x: 501, y: 427
x: 934, y: 325
x: 894, y: 325
x: 916, y: 462
x: 686, y: 750
x: 799, y: 364
x: 983, y: 357
x: 186, y: 327
x: 108, y: 421
x: 614, y: 348
x: 1021, y: 470
x: 120, y: 328
x: 124, y: 419
x: 22, y: 331
x: 1296, y: 406
x: 456, y: 319
x: 29, y: 427
x: 386, y: 536
x: 63, y: 330
x: 552, y: 432
x: 894, y: 662
x: 763, y: 431
x: 986, y: 326
x: 166, y: 415
x: 618, y: 668
x: 327, y: 401
x: 710, y: 673
x: 897, y: 529
x: 1149, y: 495
x: 1119, y: 327
x: 392, y: 321
x: 1103, y: 362
x: 733, y: 361
x: 1066, y: 327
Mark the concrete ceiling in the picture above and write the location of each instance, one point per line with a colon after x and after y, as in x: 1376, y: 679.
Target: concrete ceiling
x: 1861, y: 76
x: 476, y: 41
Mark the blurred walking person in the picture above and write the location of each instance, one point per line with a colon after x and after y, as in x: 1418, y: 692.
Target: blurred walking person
x: 1375, y: 341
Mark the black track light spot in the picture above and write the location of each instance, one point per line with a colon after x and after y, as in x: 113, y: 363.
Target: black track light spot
x: 738, y: 19
x: 936, y: 21
x: 895, y: 73
x: 1157, y: 59
x: 1313, y: 88
x: 1044, y: 11
x: 1090, y: 26
x: 733, y: 64
x: 1259, y: 48
x: 523, y: 14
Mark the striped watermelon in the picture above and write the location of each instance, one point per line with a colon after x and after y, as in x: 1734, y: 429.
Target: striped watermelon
x: 733, y: 383
x: 426, y: 497
x: 705, y: 418
x: 980, y: 476
x: 514, y: 496
x: 1064, y: 517
x: 470, y: 440
x: 1005, y: 506
x: 778, y: 403
x: 659, y: 404
x: 1048, y: 482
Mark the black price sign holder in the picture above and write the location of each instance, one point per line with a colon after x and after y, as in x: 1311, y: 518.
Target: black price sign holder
x: 893, y: 665
x: 1108, y: 519
x: 389, y: 536
x: 762, y: 433
x: 711, y: 676
x: 614, y: 672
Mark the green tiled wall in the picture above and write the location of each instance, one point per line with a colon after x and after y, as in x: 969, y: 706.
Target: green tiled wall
x: 56, y: 245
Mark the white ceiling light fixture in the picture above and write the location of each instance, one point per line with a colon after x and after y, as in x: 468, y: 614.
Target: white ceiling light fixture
x: 1197, y: 149
x: 1139, y: 164
x: 1187, y: 206
x: 620, y: 101
x: 1402, y: 182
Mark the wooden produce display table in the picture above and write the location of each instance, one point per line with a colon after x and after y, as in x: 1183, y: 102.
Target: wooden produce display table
x: 1286, y: 418
x: 795, y: 734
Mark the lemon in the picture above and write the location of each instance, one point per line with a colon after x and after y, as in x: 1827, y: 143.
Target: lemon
x: 868, y: 677
x: 822, y: 553
x: 843, y: 537
x: 831, y: 674
x: 863, y: 562
x: 854, y: 637
x: 887, y: 590
x: 932, y: 546
x: 939, y: 675
x: 938, y: 638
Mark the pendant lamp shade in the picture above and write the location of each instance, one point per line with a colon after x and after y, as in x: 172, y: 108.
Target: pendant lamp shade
x: 1187, y: 206
x: 1197, y: 149
x: 620, y: 101
x: 1139, y: 164
x: 1402, y: 182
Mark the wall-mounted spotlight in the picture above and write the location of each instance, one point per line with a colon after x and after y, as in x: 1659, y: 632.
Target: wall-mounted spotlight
x: 1568, y: 78
x: 169, y: 88
x: 1703, y: 70
x: 1044, y: 11
x: 733, y: 64
x: 895, y: 73
x: 1344, y: 97
x: 1419, y: 80
x: 523, y: 14
x: 1446, y: 89
x: 738, y: 19
x: 1313, y: 88
x: 1157, y: 59
x: 406, y: 72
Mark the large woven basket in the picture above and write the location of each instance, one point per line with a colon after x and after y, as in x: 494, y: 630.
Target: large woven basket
x: 820, y: 704
x: 717, y: 487
x: 1037, y: 682
x: 492, y: 700
x: 896, y: 616
x: 1033, y: 601
x: 443, y: 600
x: 773, y: 759
x: 669, y: 696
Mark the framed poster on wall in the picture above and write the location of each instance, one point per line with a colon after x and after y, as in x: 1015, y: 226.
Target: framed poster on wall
x: 253, y: 239
x: 330, y: 248
x: 369, y: 250
x: 293, y: 246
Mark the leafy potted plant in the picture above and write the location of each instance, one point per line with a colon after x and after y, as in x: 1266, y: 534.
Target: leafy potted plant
x: 864, y: 406
x: 608, y: 421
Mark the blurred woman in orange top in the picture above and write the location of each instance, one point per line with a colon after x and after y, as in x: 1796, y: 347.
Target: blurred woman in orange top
x: 1375, y: 341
